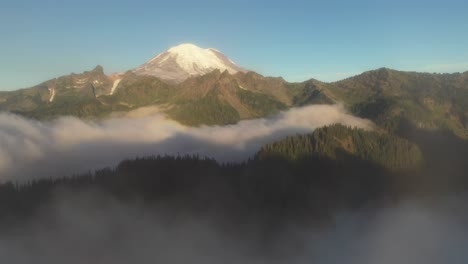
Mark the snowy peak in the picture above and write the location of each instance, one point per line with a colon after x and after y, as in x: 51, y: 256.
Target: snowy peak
x: 186, y: 60
x: 195, y: 60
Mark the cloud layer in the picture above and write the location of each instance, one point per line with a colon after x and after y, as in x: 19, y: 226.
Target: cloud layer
x: 69, y: 145
x: 94, y: 228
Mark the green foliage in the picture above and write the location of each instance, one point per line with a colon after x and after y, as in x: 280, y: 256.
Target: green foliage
x: 433, y: 101
x: 308, y: 93
x: 309, y: 176
x: 84, y: 107
x: 373, y: 108
x: 142, y: 91
x: 209, y: 110
x: 266, y: 187
x: 261, y: 104
x: 338, y: 142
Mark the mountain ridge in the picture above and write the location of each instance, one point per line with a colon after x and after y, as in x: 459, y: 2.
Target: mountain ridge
x: 221, y: 96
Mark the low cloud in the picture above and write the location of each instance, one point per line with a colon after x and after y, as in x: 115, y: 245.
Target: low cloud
x: 69, y: 145
x: 415, y: 231
x: 94, y: 228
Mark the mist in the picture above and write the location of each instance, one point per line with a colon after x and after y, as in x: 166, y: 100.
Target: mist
x: 91, y: 227
x: 66, y: 146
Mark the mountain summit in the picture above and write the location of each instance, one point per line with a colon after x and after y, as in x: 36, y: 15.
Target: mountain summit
x: 186, y: 60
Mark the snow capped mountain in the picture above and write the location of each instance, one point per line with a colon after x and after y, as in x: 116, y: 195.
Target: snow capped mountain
x: 186, y: 60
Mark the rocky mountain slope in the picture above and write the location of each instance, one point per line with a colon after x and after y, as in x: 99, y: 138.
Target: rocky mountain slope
x: 201, y: 86
x: 429, y: 101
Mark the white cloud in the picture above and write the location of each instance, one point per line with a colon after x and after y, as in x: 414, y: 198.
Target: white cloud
x: 69, y: 145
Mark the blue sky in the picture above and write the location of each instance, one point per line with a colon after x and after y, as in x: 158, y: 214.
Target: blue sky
x: 326, y: 40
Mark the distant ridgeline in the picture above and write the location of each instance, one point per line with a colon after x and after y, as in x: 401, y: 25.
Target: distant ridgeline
x: 429, y: 101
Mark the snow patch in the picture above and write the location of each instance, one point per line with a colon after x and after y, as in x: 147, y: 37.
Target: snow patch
x: 81, y: 81
x: 242, y: 87
x: 114, y: 86
x: 195, y: 60
x: 52, y: 95
x: 180, y: 62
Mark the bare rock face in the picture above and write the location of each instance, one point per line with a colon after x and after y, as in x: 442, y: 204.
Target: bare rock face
x: 181, y: 62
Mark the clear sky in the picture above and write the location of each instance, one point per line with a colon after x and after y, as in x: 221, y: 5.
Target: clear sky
x: 327, y: 40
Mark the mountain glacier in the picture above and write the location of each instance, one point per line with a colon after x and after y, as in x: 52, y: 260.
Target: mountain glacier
x: 186, y: 60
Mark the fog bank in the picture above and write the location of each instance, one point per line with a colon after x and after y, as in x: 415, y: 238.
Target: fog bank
x: 69, y: 145
x: 93, y: 228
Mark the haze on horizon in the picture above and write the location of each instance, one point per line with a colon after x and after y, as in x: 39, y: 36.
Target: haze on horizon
x: 297, y: 40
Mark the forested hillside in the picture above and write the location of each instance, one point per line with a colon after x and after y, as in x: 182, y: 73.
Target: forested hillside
x: 311, y: 175
x: 429, y: 101
x: 338, y: 142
